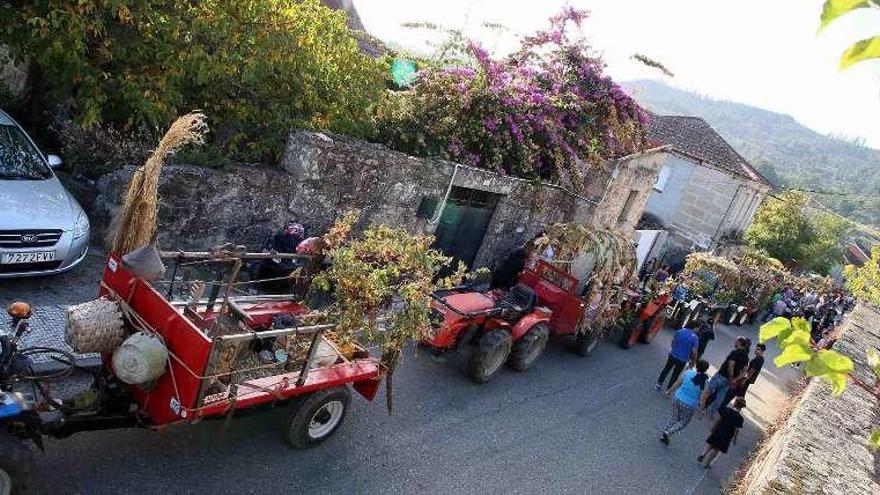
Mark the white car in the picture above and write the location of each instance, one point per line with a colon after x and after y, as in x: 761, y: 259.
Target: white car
x: 43, y: 230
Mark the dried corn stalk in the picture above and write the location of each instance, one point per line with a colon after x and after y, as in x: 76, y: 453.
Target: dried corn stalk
x: 135, y: 224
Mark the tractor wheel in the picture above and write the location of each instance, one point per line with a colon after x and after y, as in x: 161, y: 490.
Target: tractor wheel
x: 16, y: 465
x: 683, y: 318
x: 743, y: 318
x: 317, y: 416
x: 529, y: 347
x: 732, y: 319
x: 626, y: 335
x: 649, y: 331
x: 489, y: 354
x: 585, y: 343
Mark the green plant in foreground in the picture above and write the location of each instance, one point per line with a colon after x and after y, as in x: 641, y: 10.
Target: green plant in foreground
x: 868, y: 48
x: 793, y: 338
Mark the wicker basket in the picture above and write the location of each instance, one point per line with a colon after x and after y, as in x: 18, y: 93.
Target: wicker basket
x: 95, y: 326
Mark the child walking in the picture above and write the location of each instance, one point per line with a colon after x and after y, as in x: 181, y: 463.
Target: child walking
x: 688, y: 389
x: 724, y: 431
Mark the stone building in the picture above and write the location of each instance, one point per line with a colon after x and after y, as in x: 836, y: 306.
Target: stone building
x: 476, y: 215
x: 706, y: 194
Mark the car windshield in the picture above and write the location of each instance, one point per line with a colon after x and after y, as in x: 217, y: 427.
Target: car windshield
x: 18, y: 157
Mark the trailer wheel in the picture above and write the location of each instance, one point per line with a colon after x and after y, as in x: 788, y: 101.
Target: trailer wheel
x: 683, y: 318
x: 649, y: 331
x: 529, y: 347
x: 626, y: 336
x: 16, y: 465
x: 585, y: 344
x: 317, y: 416
x: 489, y: 354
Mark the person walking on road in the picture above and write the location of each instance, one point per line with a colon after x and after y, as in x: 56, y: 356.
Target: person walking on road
x: 723, y: 432
x: 730, y: 373
x: 688, y: 389
x: 705, y: 334
x: 683, y: 351
x: 752, y: 373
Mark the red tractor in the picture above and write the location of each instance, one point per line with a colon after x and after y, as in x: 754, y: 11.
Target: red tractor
x: 650, y: 320
x: 495, y: 326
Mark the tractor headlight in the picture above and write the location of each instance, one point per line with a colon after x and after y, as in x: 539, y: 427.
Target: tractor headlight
x: 81, y: 227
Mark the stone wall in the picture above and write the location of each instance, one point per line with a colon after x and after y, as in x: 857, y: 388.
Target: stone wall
x: 13, y: 77
x: 822, y: 447
x: 322, y: 176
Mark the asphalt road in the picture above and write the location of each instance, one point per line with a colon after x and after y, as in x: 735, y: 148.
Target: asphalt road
x: 569, y: 425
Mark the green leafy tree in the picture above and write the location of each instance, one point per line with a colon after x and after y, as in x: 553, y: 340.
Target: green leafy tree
x: 256, y: 67
x: 866, y: 49
x: 864, y: 281
x: 781, y: 229
x: 826, y: 250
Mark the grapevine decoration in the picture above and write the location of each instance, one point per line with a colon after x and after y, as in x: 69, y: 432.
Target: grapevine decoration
x: 381, y: 284
x: 729, y: 280
x: 603, y: 260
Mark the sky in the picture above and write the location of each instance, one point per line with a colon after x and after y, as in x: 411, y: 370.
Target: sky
x: 765, y: 53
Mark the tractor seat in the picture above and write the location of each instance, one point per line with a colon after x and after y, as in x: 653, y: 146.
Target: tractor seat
x: 519, y: 301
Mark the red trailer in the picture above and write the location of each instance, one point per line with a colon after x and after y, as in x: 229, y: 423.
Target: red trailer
x: 573, y: 313
x: 197, y: 380
x: 181, y: 393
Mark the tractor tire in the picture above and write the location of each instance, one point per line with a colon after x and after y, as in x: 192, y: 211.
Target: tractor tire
x: 732, y: 319
x: 585, y: 343
x: 625, y: 334
x: 317, y: 416
x: 489, y: 354
x: 684, y: 316
x: 529, y: 347
x: 16, y: 465
x: 648, y: 329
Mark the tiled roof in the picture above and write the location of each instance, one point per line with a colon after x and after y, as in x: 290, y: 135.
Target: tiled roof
x: 694, y: 137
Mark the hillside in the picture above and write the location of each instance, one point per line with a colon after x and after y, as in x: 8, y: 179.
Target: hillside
x: 786, y: 152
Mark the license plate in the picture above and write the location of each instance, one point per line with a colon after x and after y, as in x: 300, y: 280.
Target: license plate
x: 27, y: 257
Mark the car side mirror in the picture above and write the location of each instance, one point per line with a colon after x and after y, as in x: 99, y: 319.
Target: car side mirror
x: 54, y: 161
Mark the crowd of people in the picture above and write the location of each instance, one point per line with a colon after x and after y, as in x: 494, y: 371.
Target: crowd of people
x: 694, y: 392
x: 822, y: 310
x: 722, y: 396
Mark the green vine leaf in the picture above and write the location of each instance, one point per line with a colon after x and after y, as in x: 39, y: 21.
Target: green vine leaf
x: 836, y: 8
x: 794, y: 353
x: 837, y: 381
x: 832, y: 366
x: 875, y: 440
x: 800, y: 324
x: 772, y: 328
x: 798, y: 337
x: 860, y: 51
x: 835, y: 361
x: 874, y: 360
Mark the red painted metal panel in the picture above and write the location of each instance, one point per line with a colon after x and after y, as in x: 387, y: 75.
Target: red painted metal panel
x: 527, y: 322
x: 180, y: 336
x: 557, y: 291
x: 284, y: 386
